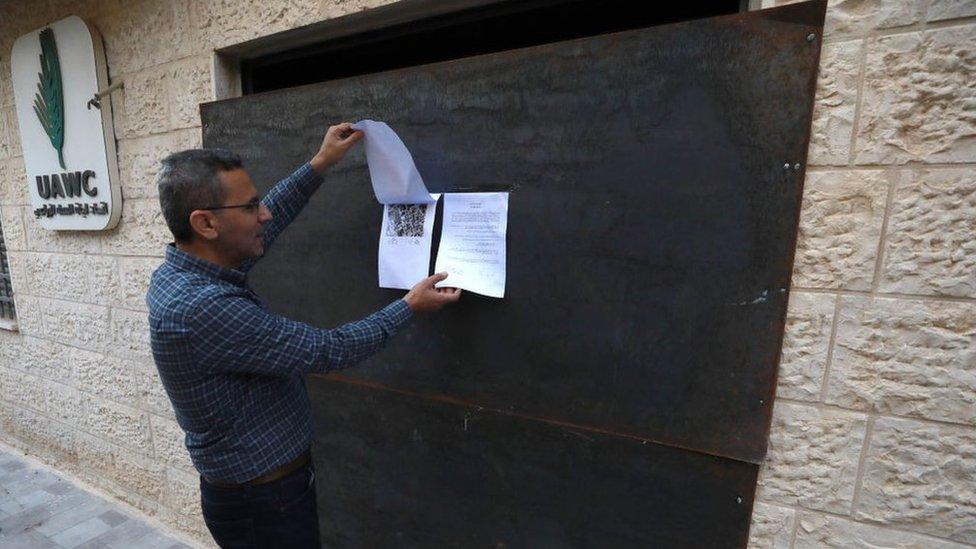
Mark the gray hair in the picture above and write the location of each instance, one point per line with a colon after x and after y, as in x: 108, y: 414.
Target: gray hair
x: 189, y: 180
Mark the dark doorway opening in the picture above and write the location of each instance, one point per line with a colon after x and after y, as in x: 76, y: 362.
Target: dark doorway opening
x: 352, y: 45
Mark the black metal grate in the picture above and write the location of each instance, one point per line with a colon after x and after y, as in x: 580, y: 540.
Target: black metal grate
x: 6, y: 287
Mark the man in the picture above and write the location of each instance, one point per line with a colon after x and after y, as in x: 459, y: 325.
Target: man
x: 233, y: 369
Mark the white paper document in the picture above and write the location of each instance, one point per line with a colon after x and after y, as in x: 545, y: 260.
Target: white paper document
x: 472, y: 248
x: 391, y: 169
x: 405, y: 234
x: 408, y: 209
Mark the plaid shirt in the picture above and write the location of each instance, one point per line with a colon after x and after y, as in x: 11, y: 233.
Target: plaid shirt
x: 232, y: 368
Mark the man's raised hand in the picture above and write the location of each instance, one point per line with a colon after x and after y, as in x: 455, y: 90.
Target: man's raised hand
x: 337, y: 141
x: 424, y: 297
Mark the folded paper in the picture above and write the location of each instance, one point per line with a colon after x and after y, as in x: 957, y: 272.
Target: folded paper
x: 391, y: 169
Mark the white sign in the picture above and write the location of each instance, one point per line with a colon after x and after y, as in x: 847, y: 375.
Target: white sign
x: 69, y: 145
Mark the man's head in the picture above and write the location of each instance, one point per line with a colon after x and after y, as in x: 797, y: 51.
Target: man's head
x: 211, y: 205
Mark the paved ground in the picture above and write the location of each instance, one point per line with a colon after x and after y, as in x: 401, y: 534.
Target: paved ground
x: 39, y: 509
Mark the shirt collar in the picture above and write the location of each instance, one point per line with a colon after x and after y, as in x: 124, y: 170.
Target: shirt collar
x: 184, y: 261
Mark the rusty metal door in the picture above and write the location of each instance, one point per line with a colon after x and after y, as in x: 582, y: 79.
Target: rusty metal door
x: 620, y: 395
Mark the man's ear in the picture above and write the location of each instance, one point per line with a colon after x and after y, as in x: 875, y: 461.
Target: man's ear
x: 204, y: 223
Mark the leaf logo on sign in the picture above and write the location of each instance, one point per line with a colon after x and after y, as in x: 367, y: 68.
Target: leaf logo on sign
x: 49, y: 99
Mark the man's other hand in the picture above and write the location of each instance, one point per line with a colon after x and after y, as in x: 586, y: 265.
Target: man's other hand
x: 424, y: 297
x: 337, y: 141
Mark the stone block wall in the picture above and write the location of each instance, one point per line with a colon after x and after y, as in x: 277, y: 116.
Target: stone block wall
x: 78, y: 387
x: 873, y: 441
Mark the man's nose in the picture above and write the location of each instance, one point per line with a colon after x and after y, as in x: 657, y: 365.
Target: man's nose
x: 264, y: 214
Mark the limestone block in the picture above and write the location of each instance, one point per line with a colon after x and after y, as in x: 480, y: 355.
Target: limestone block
x: 40, y: 239
x: 142, y: 104
x: 224, y: 22
x: 30, y: 321
x: 141, y: 231
x: 840, y: 229
x: 812, y: 459
x: 833, y: 109
x: 920, y: 477
x: 64, y: 404
x: 25, y: 17
x: 128, y: 496
x: 6, y: 80
x: 904, y: 357
x: 24, y: 390
x: 78, y: 324
x: 848, y: 18
x: 13, y: 131
x: 816, y: 531
x: 72, y: 277
x: 9, y: 133
x: 13, y: 181
x: 134, y: 275
x: 47, y: 359
x: 801, y: 369
x: 109, y: 479
x: 950, y: 9
x: 11, y: 347
x: 32, y: 432
x: 130, y: 334
x: 336, y: 8
x: 100, y: 460
x: 6, y: 151
x: 182, y: 492
x: 168, y: 441
x: 931, y: 241
x: 167, y: 97
x: 6, y: 413
x: 12, y: 224
x: 917, y: 101
x: 117, y: 423
x: 190, y: 83
x: 139, y: 160
x: 16, y: 262
x: 106, y: 376
x: 145, y: 34
x: 772, y: 527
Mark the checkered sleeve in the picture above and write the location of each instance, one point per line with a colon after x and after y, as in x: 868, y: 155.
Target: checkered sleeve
x: 234, y: 334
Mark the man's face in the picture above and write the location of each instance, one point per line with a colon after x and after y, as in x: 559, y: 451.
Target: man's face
x: 241, y: 231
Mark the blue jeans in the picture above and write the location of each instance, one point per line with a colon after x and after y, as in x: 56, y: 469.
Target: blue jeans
x: 279, y: 514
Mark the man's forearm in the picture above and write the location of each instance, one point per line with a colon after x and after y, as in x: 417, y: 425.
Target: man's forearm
x: 354, y: 342
x: 319, y: 164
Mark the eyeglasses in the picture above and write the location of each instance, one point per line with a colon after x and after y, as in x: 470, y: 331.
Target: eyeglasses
x: 251, y: 206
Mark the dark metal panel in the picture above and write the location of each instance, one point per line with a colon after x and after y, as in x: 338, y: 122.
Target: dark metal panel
x: 405, y: 34
x: 397, y: 471
x: 652, y: 223
x: 403, y: 12
x: 410, y: 14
